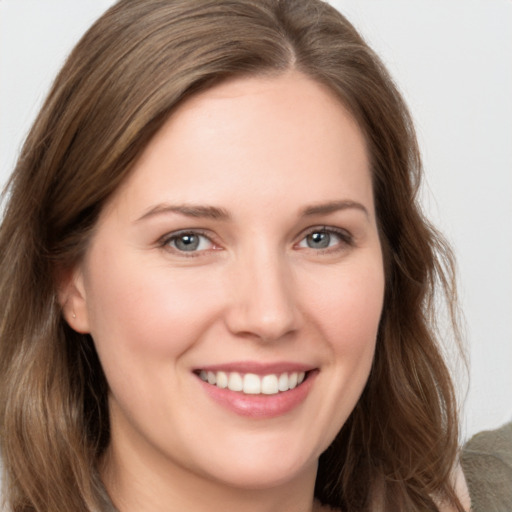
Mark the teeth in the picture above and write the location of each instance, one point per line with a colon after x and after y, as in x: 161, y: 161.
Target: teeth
x: 252, y: 384
x: 282, y: 383
x: 222, y: 380
x: 235, y: 382
x: 269, y: 385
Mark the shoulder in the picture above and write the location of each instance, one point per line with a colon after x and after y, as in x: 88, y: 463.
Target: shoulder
x: 486, y: 460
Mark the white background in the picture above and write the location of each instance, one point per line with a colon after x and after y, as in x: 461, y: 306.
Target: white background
x: 452, y: 61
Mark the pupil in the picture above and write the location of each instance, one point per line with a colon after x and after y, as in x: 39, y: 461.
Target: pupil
x: 319, y: 240
x: 187, y: 242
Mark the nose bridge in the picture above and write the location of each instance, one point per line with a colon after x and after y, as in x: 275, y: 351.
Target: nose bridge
x: 264, y: 304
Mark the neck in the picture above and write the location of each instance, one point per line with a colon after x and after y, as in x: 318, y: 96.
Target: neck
x: 142, y: 487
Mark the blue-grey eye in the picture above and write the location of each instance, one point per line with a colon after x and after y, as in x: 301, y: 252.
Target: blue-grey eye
x: 189, y: 242
x: 318, y: 240
x: 322, y: 239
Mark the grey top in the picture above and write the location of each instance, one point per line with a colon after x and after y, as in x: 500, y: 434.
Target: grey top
x: 487, y: 464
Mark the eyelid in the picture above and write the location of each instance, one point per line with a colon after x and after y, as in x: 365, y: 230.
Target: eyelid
x: 165, y: 240
x: 346, y: 237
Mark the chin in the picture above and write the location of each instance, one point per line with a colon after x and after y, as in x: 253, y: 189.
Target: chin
x: 269, y: 464
x: 264, y: 475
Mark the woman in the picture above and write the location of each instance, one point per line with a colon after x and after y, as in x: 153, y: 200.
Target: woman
x: 217, y: 287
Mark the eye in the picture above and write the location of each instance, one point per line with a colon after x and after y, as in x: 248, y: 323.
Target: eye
x: 325, y: 238
x: 188, y: 241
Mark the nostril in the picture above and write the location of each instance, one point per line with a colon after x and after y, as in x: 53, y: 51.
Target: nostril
x: 266, y: 327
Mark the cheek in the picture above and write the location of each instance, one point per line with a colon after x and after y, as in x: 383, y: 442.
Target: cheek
x: 147, y: 312
x: 349, y: 308
x: 345, y: 309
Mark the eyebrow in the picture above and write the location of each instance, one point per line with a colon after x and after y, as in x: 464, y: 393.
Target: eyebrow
x: 216, y: 213
x: 196, y: 211
x: 333, y: 206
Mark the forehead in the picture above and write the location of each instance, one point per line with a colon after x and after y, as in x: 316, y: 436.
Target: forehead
x: 252, y: 137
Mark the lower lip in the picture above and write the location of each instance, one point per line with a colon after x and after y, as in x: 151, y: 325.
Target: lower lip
x: 261, y: 406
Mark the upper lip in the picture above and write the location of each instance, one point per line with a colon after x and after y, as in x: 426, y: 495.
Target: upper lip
x: 258, y: 368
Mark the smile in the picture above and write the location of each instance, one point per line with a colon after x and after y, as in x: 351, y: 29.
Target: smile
x: 252, y: 384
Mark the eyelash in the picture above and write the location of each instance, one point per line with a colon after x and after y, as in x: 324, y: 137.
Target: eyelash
x: 166, y: 240
x: 346, y: 239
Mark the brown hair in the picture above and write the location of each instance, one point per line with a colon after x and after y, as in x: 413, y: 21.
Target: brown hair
x: 119, y: 85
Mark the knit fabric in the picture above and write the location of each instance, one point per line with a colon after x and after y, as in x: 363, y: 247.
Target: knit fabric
x: 487, y: 464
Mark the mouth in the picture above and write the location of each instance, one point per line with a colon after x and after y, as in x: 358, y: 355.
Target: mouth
x: 252, y: 383
x: 258, y: 390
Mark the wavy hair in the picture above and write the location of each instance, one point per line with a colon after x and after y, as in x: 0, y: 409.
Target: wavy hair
x: 119, y: 85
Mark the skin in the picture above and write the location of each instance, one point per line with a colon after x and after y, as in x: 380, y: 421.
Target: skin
x: 262, y: 150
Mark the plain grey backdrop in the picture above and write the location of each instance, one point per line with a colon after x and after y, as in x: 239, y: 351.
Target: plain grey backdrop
x: 453, y: 62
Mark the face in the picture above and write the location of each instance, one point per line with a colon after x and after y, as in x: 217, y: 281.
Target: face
x: 234, y: 285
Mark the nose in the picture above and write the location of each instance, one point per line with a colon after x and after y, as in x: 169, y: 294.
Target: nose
x: 263, y: 301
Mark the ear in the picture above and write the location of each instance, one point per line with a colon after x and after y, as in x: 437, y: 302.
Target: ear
x: 73, y: 300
